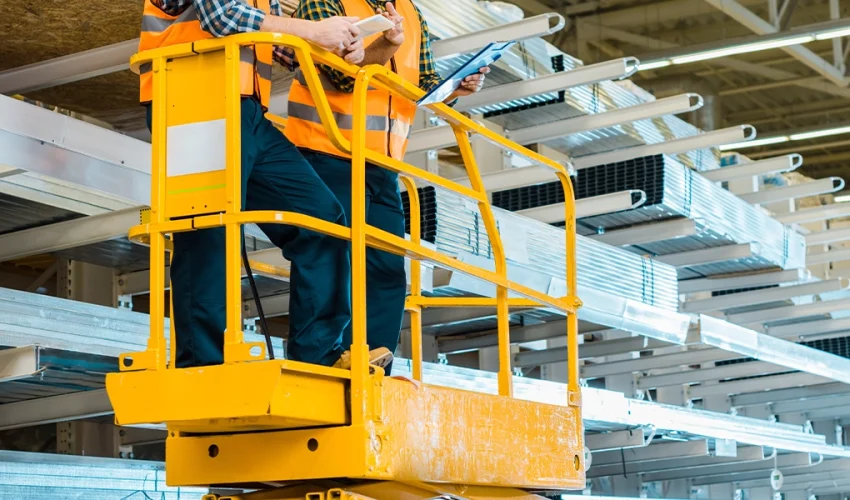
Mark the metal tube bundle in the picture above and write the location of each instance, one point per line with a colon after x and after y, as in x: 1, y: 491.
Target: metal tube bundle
x: 454, y: 226
x: 534, y: 58
x: 674, y: 191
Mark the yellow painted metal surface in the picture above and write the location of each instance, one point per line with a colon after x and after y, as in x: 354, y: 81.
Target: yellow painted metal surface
x: 229, y: 398
x: 413, y: 432
x: 323, y: 423
x: 382, y: 490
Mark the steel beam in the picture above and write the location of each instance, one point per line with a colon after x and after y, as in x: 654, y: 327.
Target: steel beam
x: 653, y: 452
x: 68, y: 234
x: 74, y: 406
x: 588, y: 207
x: 783, y: 462
x: 815, y: 259
x: 779, y: 164
x: 795, y: 478
x: 809, y: 405
x: 808, y: 329
x: 724, y: 335
x: 530, y: 27
x: 116, y: 57
x: 519, y: 335
x: 802, y: 190
x: 766, y: 296
x: 709, y: 255
x: 828, y: 236
x: 792, y: 466
x: 68, y: 69
x: 443, y: 136
x: 762, y: 316
x: 683, y: 103
x: 583, y: 75
x: 692, y: 357
x: 797, y: 393
x: 607, y: 441
x: 19, y: 363
x: 586, y: 351
x: 815, y: 214
x: 758, y: 25
x: 760, y: 384
x: 649, y: 233
x: 700, y: 141
x: 744, y: 454
x: 712, y: 284
x: 702, y: 375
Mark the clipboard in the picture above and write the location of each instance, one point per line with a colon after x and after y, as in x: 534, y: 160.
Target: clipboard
x: 485, y: 57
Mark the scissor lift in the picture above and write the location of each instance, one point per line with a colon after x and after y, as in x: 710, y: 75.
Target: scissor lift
x: 296, y: 426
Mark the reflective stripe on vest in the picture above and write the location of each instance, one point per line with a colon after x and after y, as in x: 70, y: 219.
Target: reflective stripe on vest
x: 389, y: 118
x: 161, y: 30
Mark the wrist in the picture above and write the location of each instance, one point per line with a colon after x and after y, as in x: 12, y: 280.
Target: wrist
x: 393, y: 43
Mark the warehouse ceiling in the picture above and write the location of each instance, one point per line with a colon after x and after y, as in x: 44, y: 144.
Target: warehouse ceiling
x: 777, y: 90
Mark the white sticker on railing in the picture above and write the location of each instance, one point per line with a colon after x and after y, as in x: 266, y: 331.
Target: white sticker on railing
x: 195, y: 148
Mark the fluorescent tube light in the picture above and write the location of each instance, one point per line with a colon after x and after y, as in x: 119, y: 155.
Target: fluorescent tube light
x: 654, y: 65
x: 755, y: 143
x: 844, y: 198
x: 833, y: 34
x: 743, y: 49
x: 820, y: 133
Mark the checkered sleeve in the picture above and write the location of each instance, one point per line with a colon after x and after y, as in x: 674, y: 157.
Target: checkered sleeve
x: 228, y: 17
x: 172, y: 7
x: 316, y: 10
x: 428, y: 76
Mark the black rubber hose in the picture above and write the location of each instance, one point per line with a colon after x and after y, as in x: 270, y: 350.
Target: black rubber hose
x: 257, y: 301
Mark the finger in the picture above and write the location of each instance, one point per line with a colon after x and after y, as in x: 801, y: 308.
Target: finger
x: 354, y: 30
x: 391, y: 9
x: 484, y: 70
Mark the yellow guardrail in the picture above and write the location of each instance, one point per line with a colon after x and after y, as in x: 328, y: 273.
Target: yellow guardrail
x: 360, y: 234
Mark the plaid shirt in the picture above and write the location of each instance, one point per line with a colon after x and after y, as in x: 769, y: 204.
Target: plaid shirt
x: 316, y: 10
x: 226, y: 17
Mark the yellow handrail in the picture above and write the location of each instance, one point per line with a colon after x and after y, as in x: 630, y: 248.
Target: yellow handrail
x: 360, y: 234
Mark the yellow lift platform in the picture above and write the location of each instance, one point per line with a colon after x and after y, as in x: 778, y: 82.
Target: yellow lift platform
x: 292, y: 427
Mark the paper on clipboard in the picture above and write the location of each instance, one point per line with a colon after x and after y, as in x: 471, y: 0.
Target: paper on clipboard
x: 485, y: 57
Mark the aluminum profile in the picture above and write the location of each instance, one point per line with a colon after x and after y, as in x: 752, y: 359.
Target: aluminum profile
x: 536, y: 57
x: 28, y: 318
x: 455, y: 226
x: 31, y: 476
x: 673, y: 191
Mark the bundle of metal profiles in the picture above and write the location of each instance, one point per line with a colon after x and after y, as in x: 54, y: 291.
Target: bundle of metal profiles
x: 605, y: 410
x: 675, y: 191
x: 106, y: 332
x: 454, y: 225
x: 29, y: 318
x: 38, y: 476
x: 535, y: 58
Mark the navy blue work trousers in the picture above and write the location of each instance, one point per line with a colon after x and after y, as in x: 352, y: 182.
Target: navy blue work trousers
x: 275, y: 176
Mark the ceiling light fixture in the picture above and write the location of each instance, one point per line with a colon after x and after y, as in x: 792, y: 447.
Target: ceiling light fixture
x: 802, y: 136
x: 747, y: 44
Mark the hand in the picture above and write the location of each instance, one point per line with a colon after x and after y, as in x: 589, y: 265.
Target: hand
x: 355, y: 52
x: 335, y: 34
x: 395, y: 35
x: 470, y: 85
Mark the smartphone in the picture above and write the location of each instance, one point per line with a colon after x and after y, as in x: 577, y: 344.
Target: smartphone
x: 372, y: 25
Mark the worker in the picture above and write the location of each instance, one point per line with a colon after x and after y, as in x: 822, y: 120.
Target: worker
x: 274, y: 177
x: 406, y: 50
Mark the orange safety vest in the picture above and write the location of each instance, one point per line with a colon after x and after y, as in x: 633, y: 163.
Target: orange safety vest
x: 161, y: 30
x: 389, y: 118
